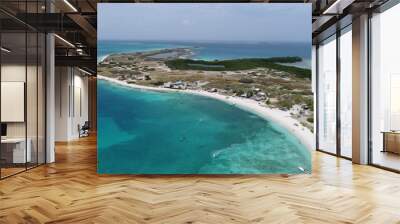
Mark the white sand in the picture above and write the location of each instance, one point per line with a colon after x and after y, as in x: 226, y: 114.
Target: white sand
x: 283, y: 118
x: 103, y: 58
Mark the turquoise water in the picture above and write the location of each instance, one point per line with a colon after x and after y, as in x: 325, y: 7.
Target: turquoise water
x: 214, y: 51
x: 147, y: 132
x: 105, y: 48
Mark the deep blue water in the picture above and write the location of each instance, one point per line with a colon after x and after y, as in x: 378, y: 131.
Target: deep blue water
x: 147, y: 132
x: 213, y: 51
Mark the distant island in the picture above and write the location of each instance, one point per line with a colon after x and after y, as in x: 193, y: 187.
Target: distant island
x: 270, y: 82
x: 241, y: 64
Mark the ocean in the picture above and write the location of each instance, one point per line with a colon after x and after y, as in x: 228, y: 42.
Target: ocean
x: 213, y: 50
x: 148, y: 132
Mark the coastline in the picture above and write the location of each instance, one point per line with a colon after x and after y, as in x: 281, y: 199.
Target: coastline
x: 102, y: 58
x: 283, y: 118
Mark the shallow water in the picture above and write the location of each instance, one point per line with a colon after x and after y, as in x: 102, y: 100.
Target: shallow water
x: 147, y: 132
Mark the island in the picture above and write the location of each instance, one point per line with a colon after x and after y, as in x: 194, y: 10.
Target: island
x: 267, y: 82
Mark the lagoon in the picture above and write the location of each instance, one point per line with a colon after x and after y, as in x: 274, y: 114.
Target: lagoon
x: 149, y: 132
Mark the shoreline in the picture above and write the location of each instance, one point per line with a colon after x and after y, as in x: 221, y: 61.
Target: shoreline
x: 304, y: 63
x: 283, y: 118
x: 102, y: 58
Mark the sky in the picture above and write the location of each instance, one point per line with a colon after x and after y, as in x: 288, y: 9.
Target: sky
x: 249, y: 22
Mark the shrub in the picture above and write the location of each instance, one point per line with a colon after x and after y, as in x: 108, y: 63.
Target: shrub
x: 285, y: 104
x: 241, y: 64
x: 157, y: 83
x: 238, y: 92
x: 246, y: 80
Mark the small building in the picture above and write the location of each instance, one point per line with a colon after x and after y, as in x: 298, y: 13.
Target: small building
x: 178, y: 85
x: 261, y: 94
x: 167, y: 85
x: 296, y: 109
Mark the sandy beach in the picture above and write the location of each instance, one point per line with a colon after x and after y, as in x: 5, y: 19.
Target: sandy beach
x: 102, y: 58
x: 280, y: 117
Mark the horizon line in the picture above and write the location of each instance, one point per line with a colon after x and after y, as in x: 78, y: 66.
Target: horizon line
x: 211, y: 41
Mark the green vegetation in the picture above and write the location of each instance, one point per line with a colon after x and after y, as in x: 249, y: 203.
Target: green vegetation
x: 288, y: 100
x: 285, y: 104
x: 156, y: 83
x: 309, y: 103
x: 241, y: 64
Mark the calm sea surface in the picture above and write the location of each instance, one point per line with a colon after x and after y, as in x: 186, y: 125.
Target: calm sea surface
x: 146, y: 132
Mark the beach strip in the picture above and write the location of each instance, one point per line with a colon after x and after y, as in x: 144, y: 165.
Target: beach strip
x: 102, y: 58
